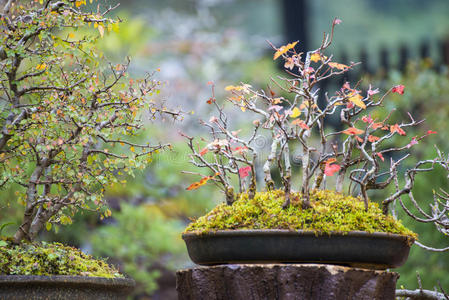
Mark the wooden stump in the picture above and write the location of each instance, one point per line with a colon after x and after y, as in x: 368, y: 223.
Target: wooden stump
x: 284, y: 282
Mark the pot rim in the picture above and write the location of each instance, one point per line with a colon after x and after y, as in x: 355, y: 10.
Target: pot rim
x: 74, y: 279
x: 287, y: 232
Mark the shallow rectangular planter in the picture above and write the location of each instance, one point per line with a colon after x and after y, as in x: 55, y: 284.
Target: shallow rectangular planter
x: 33, y: 287
x: 356, y: 248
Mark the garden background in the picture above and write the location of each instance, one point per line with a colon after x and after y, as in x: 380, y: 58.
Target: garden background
x: 225, y: 41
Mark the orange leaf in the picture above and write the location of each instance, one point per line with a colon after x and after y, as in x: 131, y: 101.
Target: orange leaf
x: 353, y: 131
x: 200, y: 183
x: 300, y: 123
x: 283, y: 50
x: 373, y: 138
x: 338, y: 66
x: 396, y: 128
x: 204, y: 151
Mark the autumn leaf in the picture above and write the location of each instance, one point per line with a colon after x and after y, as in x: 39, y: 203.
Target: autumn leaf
x: 398, y: 89
x: 200, y: 183
x: 396, y: 128
x: 283, y: 50
x: 244, y: 171
x: 431, y: 132
x: 204, y: 151
x: 315, y: 57
x: 377, y: 125
x: 338, y: 66
x: 300, y: 123
x: 295, y: 113
x: 289, y: 63
x: 330, y: 168
x: 240, y: 150
x: 367, y: 119
x: 373, y: 138
x: 353, y: 131
x: 380, y: 156
x: 357, y: 100
x: 41, y: 67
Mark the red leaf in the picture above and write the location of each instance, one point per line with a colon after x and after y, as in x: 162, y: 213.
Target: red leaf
x: 211, y: 100
x: 204, y: 151
x: 329, y: 170
x: 431, y: 132
x: 398, y: 129
x: 367, y: 119
x: 244, y: 171
x: 373, y: 138
x: 353, y: 131
x: 398, y: 89
x: 380, y: 156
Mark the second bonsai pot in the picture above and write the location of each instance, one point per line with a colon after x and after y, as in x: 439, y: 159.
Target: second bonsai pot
x: 19, y: 287
x: 355, y: 248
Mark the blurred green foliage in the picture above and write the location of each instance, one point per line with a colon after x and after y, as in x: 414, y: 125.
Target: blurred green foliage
x: 140, y: 238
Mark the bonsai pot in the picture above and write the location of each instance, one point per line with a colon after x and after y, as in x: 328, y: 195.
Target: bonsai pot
x: 355, y: 248
x: 19, y: 287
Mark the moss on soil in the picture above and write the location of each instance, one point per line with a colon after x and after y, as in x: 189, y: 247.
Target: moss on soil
x: 329, y: 212
x: 51, y: 259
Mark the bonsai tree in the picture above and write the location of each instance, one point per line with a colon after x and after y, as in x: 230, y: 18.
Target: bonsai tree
x: 68, y: 120
x: 365, y: 153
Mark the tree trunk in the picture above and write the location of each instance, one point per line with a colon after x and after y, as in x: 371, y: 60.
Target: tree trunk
x: 284, y: 281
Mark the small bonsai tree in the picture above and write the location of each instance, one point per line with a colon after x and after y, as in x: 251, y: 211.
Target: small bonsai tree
x: 68, y: 123
x: 360, y: 154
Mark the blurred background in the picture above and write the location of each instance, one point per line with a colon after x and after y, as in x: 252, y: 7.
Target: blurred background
x: 225, y: 41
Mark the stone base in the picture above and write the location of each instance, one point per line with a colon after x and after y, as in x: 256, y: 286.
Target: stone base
x: 284, y: 282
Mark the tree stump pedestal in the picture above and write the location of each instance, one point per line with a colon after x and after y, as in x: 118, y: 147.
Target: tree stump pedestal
x: 284, y: 282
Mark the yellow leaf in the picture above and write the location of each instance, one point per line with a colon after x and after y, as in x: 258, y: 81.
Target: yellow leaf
x: 243, y: 108
x: 357, y: 100
x: 315, y: 57
x: 41, y: 66
x: 71, y: 35
x: 115, y: 27
x: 132, y: 149
x: 101, y: 30
x: 109, y: 27
x: 284, y: 49
x: 295, y: 113
x: 233, y: 88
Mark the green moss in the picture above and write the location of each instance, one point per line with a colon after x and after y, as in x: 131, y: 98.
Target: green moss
x: 329, y: 212
x: 50, y: 259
